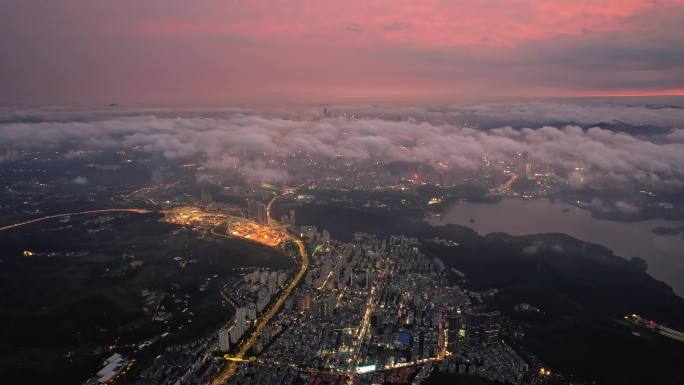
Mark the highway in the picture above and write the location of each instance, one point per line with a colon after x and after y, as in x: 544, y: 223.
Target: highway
x: 232, y: 365
x: 365, y: 325
x: 233, y: 362
x: 656, y: 328
x: 263, y: 320
x: 15, y: 225
x: 229, y: 371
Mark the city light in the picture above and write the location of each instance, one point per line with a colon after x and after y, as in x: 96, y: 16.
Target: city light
x: 269, y: 235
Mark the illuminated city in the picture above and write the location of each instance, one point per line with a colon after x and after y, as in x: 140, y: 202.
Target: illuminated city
x: 342, y: 192
x: 267, y: 234
x: 270, y: 235
x: 194, y: 217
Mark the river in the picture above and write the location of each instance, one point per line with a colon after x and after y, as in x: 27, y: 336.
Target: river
x: 664, y: 254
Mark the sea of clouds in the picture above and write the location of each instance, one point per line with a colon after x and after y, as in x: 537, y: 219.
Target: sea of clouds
x: 415, y: 134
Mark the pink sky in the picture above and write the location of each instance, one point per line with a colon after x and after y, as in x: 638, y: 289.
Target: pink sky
x: 211, y: 52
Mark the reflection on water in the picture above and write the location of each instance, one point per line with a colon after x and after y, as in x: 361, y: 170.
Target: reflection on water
x: 664, y: 254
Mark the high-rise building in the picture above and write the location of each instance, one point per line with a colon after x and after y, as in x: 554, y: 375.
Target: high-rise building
x: 522, y: 165
x: 454, y: 329
x: 282, y: 277
x: 241, y: 316
x: 240, y: 325
x: 234, y: 334
x: 257, y: 211
x: 251, y: 311
x: 262, y: 213
x: 264, y: 297
x: 325, y: 307
x: 292, y: 220
x: 273, y: 282
x: 482, y: 328
x: 304, y: 302
x: 224, y: 339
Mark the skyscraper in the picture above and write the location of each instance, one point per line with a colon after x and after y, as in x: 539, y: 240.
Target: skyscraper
x: 257, y: 211
x: 262, y: 213
x: 240, y: 320
x: 224, y: 339
x: 292, y: 219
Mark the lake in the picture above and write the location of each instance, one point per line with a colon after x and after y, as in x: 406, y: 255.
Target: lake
x: 664, y: 254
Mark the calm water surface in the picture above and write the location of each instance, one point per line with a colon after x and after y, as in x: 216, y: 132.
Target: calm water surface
x: 664, y: 254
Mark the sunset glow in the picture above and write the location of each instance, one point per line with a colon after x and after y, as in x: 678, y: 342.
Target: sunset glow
x: 216, y: 52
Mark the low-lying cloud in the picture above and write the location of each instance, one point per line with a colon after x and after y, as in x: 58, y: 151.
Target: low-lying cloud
x: 241, y: 139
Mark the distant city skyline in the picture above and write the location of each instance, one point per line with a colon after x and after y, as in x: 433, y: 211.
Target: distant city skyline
x: 211, y: 52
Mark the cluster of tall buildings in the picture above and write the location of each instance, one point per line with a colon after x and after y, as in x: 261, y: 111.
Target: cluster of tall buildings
x: 312, y: 235
x: 181, y: 364
x: 113, y: 366
x: 286, y: 220
x: 257, y: 210
x: 231, y: 334
x: 482, y: 328
x: 224, y: 339
x: 523, y: 166
x: 268, y: 284
x: 371, y: 305
x: 255, y: 290
x: 303, y: 302
x: 270, y: 279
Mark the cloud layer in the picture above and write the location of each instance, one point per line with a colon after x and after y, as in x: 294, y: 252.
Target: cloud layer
x: 228, y: 138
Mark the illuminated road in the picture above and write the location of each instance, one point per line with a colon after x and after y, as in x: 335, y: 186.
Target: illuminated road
x: 333, y: 270
x: 269, y: 205
x: 509, y: 183
x: 146, y: 189
x: 137, y: 211
x: 288, y: 191
x: 363, y: 328
x: 233, y: 362
x: 654, y: 327
x: 341, y: 372
x: 231, y: 367
x: 227, y: 298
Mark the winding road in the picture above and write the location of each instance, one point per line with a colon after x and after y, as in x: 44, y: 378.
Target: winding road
x: 231, y: 367
x: 233, y: 362
x: 229, y: 371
